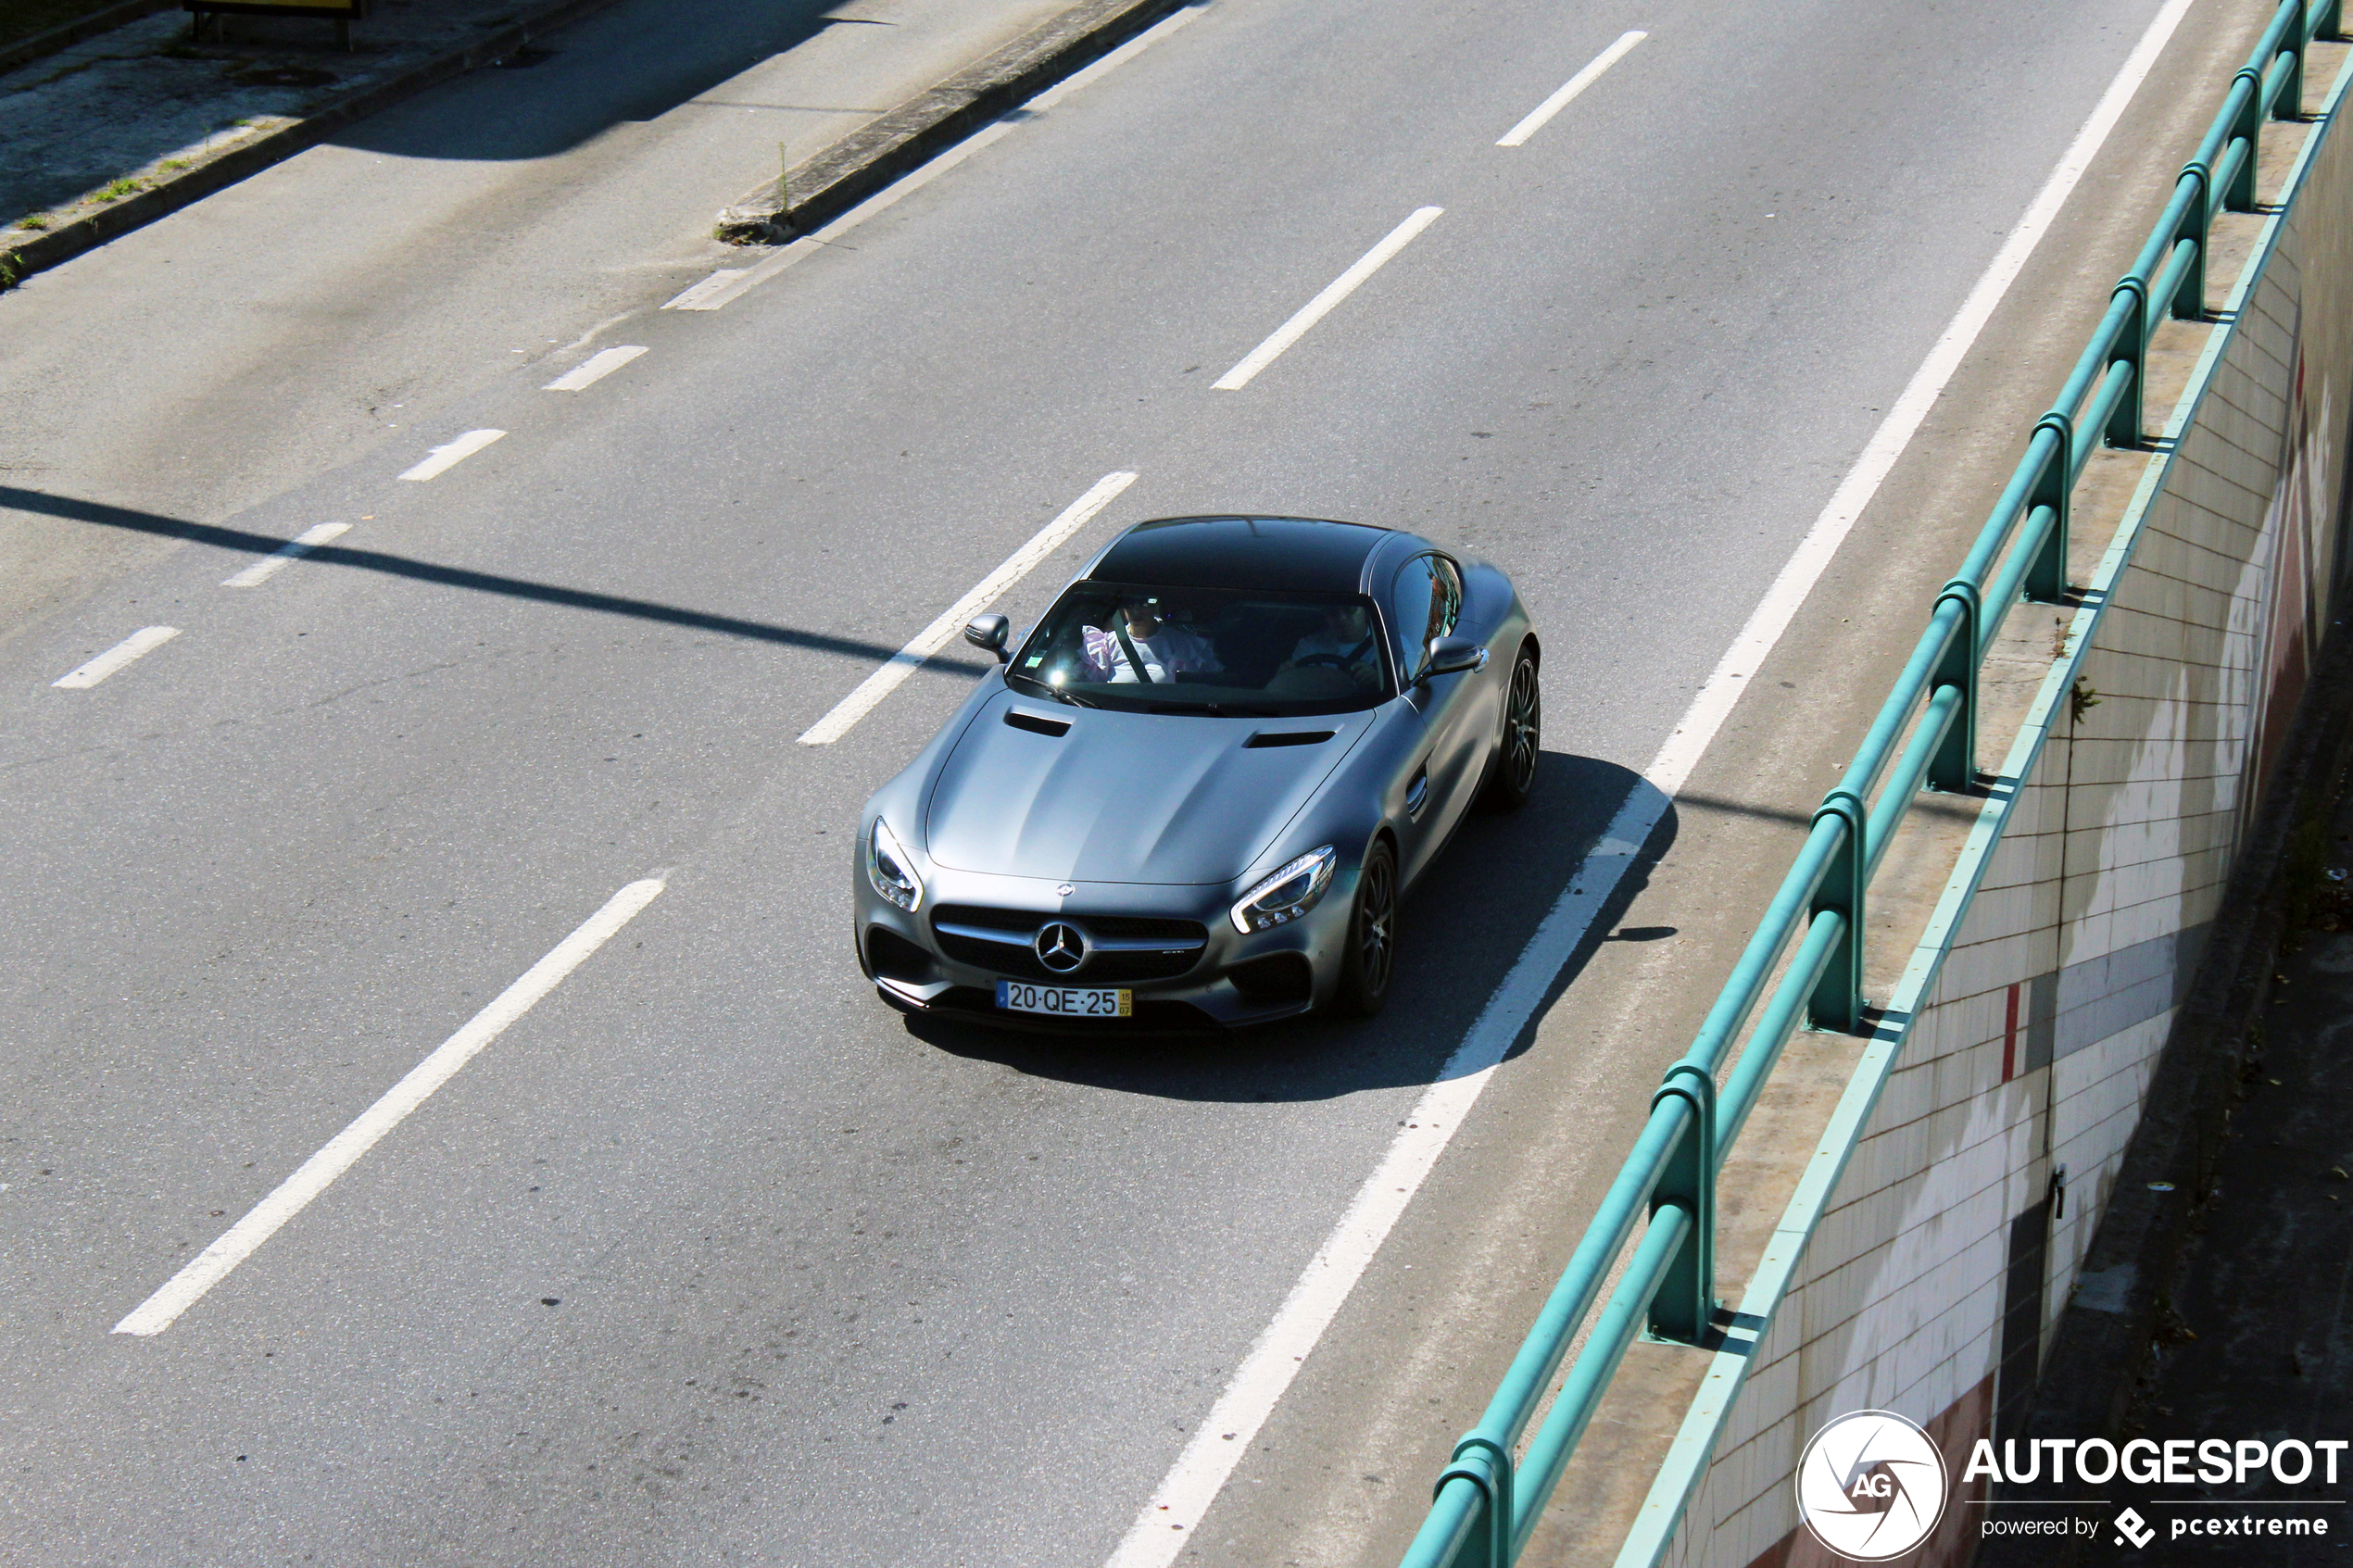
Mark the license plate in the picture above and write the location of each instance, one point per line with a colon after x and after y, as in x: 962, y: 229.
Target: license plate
x: 1065, y: 1001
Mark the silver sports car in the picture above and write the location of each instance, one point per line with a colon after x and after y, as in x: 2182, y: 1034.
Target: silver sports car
x: 1193, y: 793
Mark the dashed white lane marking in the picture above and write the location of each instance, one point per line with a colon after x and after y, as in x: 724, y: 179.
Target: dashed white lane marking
x: 730, y: 284
x: 1314, y: 310
x: 1168, y: 1519
x: 934, y: 637
x: 594, y: 368
x: 139, y: 644
x: 1569, y: 89
x: 236, y: 1244
x: 441, y: 460
x: 285, y: 555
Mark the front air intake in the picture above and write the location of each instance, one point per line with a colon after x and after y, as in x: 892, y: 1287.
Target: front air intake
x: 1037, y: 723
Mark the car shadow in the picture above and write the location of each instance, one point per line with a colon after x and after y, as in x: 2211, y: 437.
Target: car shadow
x: 1461, y: 929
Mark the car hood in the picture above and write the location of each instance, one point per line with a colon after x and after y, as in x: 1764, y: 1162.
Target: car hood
x: 1123, y: 796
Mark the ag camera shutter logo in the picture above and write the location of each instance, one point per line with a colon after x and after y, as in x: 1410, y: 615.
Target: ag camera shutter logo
x: 1871, y: 1485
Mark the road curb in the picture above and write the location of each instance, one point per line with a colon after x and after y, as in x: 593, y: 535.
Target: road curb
x: 18, y: 261
x: 828, y: 183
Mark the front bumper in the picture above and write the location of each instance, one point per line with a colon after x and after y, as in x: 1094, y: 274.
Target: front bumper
x: 1237, y: 980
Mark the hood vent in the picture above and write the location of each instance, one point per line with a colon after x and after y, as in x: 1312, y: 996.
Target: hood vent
x: 1287, y: 737
x: 1037, y: 723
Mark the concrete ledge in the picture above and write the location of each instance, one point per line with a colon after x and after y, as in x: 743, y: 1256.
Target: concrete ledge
x: 70, y: 239
x: 829, y: 184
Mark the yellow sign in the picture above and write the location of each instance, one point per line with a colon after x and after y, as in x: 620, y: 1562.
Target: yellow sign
x: 337, y: 8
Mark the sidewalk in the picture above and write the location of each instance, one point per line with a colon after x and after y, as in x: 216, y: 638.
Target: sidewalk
x: 111, y: 133
x: 122, y: 112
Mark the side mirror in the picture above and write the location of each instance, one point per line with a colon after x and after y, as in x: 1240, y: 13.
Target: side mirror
x: 989, y: 632
x: 1450, y: 656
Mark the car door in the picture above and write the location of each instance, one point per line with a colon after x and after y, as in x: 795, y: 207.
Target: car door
x: 1424, y: 600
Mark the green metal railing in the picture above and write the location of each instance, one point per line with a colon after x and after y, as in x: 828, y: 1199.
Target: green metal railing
x: 1486, y: 1502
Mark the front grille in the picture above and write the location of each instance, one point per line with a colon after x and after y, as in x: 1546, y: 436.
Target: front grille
x: 1144, y: 925
x: 1187, y: 938
x: 1108, y: 968
x: 999, y: 958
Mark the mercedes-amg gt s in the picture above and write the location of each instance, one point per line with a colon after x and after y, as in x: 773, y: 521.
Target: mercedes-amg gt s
x: 1192, y: 795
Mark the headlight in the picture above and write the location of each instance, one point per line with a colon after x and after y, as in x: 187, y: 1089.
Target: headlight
x: 1288, y: 894
x: 891, y: 868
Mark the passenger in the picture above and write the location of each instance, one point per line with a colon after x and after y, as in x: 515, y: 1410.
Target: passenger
x: 1345, y: 642
x: 1166, y: 651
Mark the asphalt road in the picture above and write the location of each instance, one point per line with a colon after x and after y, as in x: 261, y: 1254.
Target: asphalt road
x: 708, y: 1258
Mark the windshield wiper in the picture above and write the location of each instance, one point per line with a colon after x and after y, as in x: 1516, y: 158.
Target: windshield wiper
x: 1027, y: 683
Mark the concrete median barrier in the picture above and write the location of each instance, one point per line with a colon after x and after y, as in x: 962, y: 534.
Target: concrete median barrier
x: 836, y: 178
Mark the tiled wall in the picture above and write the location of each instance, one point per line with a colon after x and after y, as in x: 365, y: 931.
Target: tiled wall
x: 2038, y: 1039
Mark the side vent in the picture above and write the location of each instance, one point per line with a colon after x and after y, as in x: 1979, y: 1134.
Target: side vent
x: 1037, y: 723
x: 1287, y: 737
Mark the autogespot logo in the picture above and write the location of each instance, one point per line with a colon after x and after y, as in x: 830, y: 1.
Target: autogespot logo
x: 1871, y: 1485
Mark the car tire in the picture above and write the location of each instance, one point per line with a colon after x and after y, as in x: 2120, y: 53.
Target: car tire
x: 1371, y: 959
x: 1510, y: 773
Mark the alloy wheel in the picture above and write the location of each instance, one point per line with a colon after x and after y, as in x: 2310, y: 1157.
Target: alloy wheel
x: 1523, y: 726
x: 1376, y: 943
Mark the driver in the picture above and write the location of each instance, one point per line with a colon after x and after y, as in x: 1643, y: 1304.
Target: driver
x: 1344, y: 642
x: 1165, y: 651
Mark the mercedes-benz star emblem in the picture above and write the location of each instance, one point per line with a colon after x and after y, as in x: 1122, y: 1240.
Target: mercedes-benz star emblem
x: 1061, y: 947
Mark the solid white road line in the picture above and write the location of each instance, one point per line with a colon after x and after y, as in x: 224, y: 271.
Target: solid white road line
x: 1176, y: 1510
x: 1314, y: 310
x: 292, y: 551
x: 144, y: 641
x: 441, y: 460
x: 206, y: 1270
x: 594, y: 368
x: 934, y: 637
x: 1117, y: 58
x: 1569, y: 89
x: 1772, y: 617
x: 1169, y: 1518
x: 730, y: 284
x: 696, y: 297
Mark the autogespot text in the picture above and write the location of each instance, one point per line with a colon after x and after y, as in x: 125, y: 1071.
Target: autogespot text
x: 2144, y: 1462
x: 2096, y: 1461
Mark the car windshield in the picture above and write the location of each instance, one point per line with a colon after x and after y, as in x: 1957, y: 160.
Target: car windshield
x: 1197, y: 650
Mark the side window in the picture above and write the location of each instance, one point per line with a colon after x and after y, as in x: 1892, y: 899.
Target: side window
x: 1417, y: 601
x: 1449, y: 610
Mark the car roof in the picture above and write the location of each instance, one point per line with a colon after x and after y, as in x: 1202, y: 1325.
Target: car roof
x: 1311, y: 554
